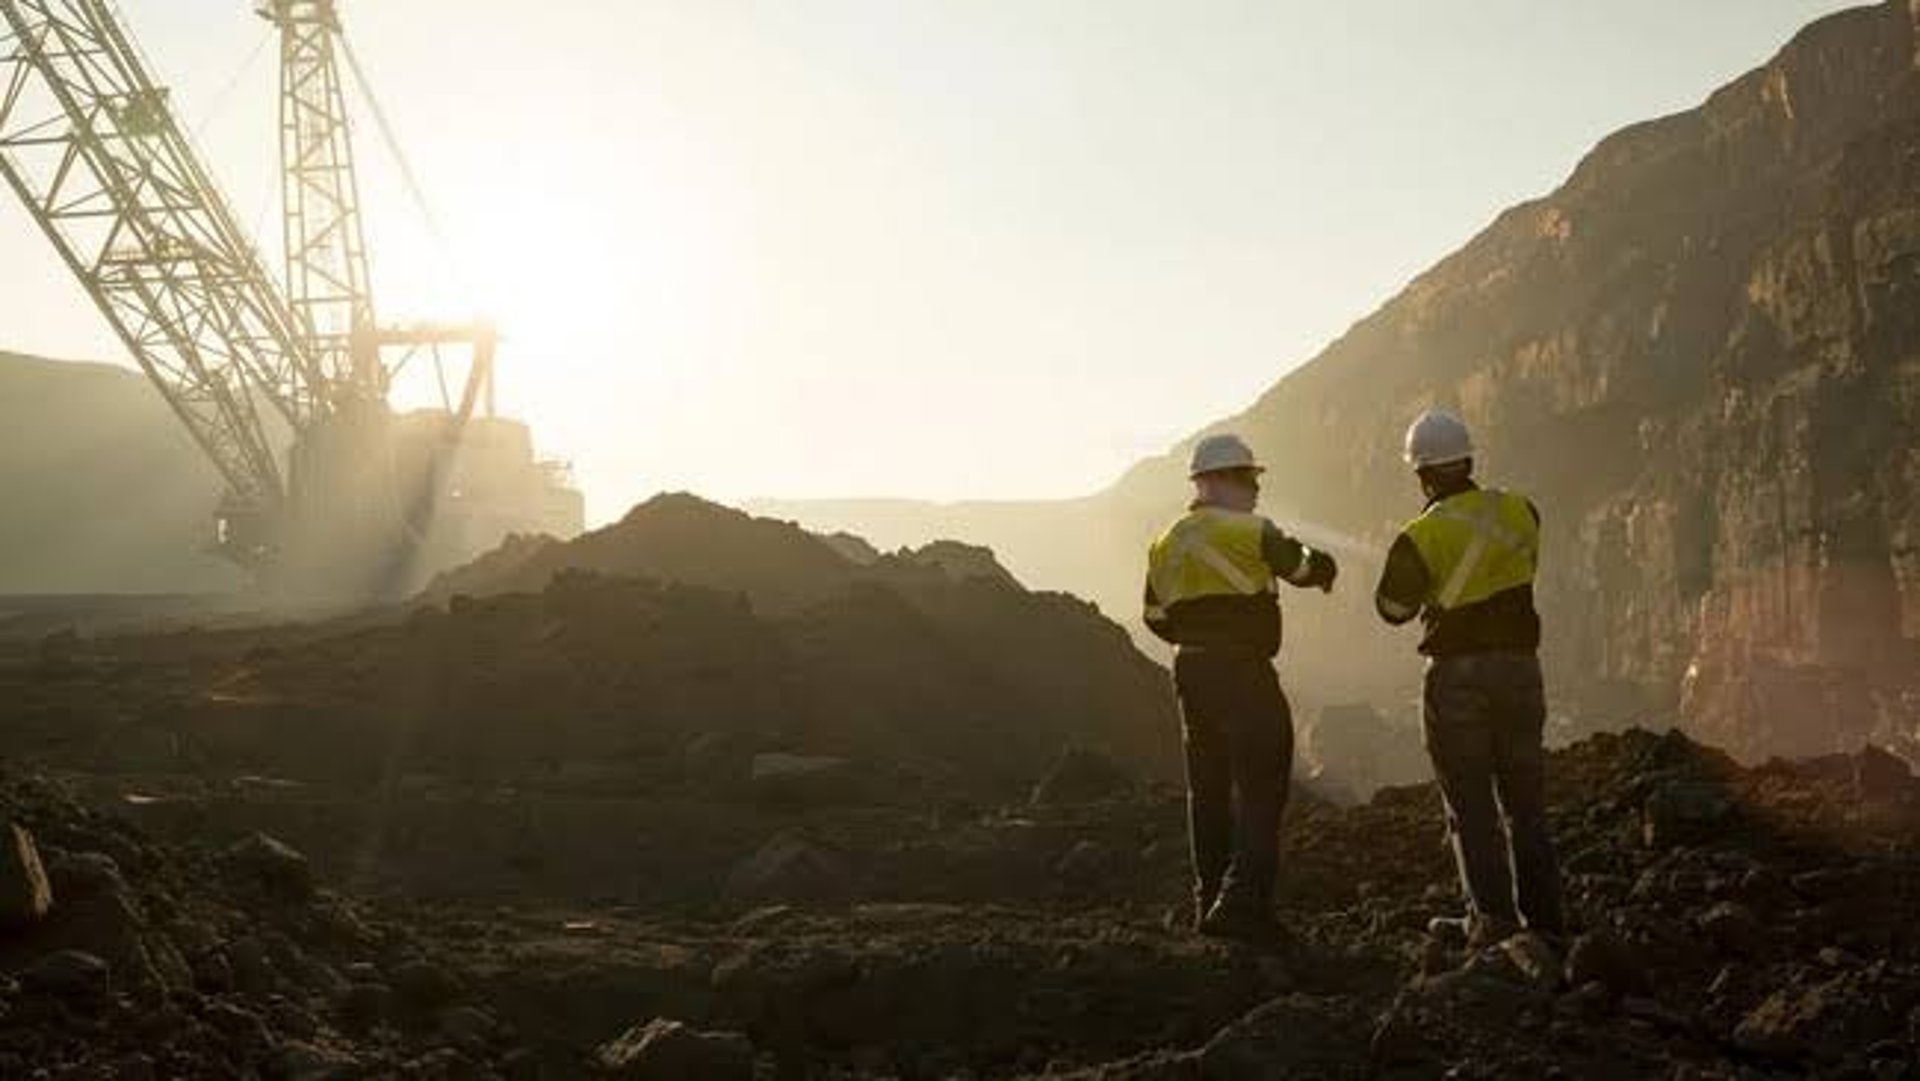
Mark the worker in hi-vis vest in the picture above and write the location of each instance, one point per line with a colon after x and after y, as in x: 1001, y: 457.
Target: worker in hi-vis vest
x: 1210, y: 592
x: 1466, y: 566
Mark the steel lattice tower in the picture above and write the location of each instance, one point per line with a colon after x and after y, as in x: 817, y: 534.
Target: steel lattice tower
x: 326, y: 251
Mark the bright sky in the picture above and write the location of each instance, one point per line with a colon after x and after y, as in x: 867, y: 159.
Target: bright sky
x: 932, y: 248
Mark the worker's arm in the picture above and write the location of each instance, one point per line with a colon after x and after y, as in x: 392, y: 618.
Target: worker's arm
x: 1404, y: 583
x: 1295, y: 563
x: 1156, y: 616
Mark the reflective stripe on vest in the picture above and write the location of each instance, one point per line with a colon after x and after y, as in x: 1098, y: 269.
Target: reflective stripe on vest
x: 1210, y: 552
x: 1476, y: 544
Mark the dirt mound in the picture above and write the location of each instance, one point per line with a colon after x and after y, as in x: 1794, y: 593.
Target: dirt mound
x: 674, y: 538
x: 661, y: 653
x: 966, y: 680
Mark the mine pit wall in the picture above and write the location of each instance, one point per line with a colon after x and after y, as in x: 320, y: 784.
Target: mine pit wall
x: 1764, y: 561
x: 1701, y: 355
x: 1760, y: 572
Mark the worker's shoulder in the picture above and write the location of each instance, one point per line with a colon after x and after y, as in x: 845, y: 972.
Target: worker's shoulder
x: 1212, y: 518
x: 1174, y: 527
x: 1522, y: 498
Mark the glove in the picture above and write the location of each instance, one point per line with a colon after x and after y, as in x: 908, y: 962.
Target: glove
x: 1321, y: 571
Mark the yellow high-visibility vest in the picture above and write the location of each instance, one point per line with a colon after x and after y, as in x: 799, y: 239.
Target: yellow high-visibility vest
x: 1209, y: 553
x: 1476, y: 544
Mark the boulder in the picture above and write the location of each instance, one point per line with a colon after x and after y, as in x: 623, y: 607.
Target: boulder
x: 1683, y: 812
x: 365, y: 1004
x: 668, y: 1050
x: 73, y: 974
x: 791, y: 869
x: 423, y: 987
x: 254, y: 970
x: 1733, y: 928
x: 467, y: 1026
x: 298, y: 1060
x: 271, y: 867
x: 717, y: 762
x: 1599, y: 957
x: 109, y: 924
x: 1085, y: 865
x: 242, y: 1026
x: 804, y: 779
x: 79, y: 875
x: 26, y: 895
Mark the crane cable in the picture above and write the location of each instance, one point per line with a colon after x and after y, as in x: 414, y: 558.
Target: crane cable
x: 408, y: 177
x: 441, y: 467
x: 225, y: 93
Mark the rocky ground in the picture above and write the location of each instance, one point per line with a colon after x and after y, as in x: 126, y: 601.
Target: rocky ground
x: 1737, y: 923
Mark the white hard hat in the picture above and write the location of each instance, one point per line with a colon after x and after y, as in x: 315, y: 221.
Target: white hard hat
x: 1438, y: 438
x: 1220, y: 452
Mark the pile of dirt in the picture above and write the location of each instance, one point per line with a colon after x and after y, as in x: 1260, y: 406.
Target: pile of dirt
x: 673, y: 538
x: 668, y: 650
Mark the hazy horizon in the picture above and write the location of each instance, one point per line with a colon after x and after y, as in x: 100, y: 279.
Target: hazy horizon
x: 939, y: 250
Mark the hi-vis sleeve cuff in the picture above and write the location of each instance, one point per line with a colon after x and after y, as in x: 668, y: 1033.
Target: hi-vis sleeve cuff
x: 1404, y: 583
x: 1153, y: 613
x: 1302, y: 571
x: 1393, y: 611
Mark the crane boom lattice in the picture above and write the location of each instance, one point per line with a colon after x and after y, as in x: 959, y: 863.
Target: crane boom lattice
x: 90, y: 145
x: 326, y: 249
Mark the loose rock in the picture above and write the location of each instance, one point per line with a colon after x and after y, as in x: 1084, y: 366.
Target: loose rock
x: 273, y: 867
x: 791, y: 869
x: 25, y: 894
x: 667, y: 1050
x: 72, y: 974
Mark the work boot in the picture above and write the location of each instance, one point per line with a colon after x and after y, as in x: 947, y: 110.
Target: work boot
x: 1472, y: 931
x: 1203, y: 902
x: 1245, y: 921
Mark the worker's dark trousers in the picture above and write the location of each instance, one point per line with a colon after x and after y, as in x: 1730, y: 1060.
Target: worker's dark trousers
x: 1239, y: 737
x: 1484, y: 717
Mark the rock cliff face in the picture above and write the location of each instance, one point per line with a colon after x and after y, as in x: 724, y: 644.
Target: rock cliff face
x: 1702, y: 355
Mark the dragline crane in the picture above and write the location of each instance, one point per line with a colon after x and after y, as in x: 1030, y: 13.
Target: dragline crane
x: 363, y: 502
